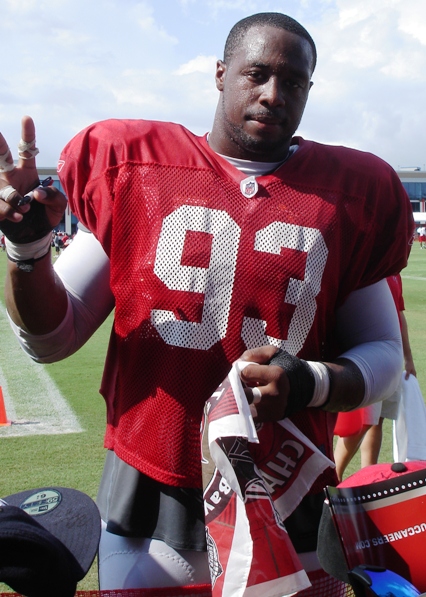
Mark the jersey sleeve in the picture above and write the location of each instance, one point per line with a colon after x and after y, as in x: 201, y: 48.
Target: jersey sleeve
x: 83, y: 171
x: 376, y: 218
x: 389, y: 227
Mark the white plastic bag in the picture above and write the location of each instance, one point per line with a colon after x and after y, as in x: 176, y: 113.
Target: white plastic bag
x: 409, y: 429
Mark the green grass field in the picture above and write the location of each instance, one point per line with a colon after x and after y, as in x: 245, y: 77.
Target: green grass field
x: 76, y: 460
x: 72, y: 460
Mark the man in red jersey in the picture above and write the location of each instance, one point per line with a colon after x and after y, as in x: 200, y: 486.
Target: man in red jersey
x: 245, y: 241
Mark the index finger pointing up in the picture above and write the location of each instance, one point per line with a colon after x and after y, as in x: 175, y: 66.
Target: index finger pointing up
x: 27, y: 146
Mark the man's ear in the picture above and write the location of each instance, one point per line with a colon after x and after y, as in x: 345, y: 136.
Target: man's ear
x: 220, y: 74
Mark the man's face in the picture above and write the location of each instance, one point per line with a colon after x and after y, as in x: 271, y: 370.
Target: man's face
x: 264, y: 88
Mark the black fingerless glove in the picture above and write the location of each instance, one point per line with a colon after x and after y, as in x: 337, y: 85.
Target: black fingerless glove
x: 300, y: 377
x: 34, y: 225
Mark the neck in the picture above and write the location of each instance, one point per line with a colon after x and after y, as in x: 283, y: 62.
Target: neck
x: 223, y: 144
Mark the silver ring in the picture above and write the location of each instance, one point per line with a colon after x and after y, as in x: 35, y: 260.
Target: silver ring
x: 257, y: 395
x: 6, y: 192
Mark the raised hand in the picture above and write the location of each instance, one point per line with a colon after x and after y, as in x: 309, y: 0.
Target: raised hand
x: 24, y: 223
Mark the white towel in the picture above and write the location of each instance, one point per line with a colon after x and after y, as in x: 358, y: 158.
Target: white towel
x: 409, y: 429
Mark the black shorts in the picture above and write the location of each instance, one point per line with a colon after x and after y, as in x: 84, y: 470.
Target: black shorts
x: 134, y: 505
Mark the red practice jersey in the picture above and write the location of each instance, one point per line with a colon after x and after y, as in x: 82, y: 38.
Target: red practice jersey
x: 200, y: 271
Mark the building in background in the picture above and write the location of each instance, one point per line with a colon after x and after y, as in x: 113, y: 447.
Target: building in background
x: 414, y: 181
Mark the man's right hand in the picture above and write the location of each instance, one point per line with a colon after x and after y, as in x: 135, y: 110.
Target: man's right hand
x: 24, y: 224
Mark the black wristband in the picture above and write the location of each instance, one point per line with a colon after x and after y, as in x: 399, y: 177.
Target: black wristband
x: 26, y: 265
x: 33, y: 226
x: 300, y: 377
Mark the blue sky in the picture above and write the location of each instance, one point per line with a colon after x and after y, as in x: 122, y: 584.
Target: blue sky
x: 69, y: 63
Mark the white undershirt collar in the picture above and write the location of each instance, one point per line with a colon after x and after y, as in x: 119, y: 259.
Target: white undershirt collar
x: 252, y: 168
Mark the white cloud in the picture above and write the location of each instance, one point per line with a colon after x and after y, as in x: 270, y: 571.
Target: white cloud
x: 71, y: 62
x: 413, y: 20
x: 200, y: 64
x: 353, y: 12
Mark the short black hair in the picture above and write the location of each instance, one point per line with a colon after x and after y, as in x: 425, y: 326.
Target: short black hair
x: 274, y: 19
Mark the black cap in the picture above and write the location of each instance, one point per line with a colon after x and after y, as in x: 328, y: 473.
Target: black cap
x: 48, y: 540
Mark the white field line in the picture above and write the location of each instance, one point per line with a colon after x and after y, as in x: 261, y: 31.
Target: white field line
x: 412, y: 277
x: 33, y: 402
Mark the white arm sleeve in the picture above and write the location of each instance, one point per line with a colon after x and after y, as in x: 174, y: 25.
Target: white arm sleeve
x: 84, y: 269
x: 369, y: 332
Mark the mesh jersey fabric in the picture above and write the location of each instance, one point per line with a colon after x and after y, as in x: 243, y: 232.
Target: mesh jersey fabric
x: 200, y: 272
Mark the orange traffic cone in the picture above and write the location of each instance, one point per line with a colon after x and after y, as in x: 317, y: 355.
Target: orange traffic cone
x: 3, y: 418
